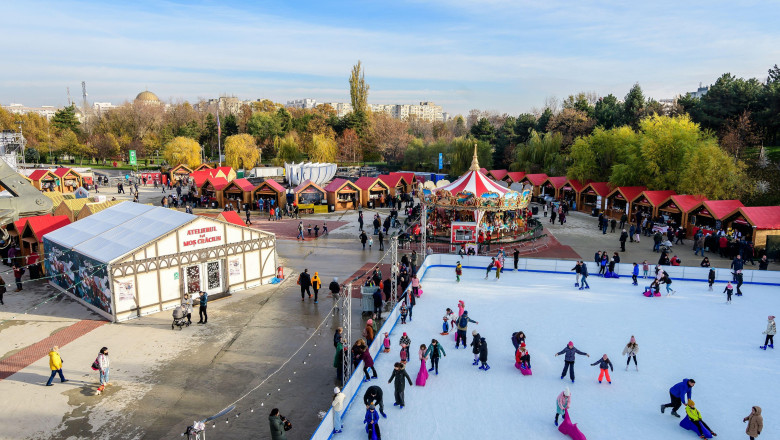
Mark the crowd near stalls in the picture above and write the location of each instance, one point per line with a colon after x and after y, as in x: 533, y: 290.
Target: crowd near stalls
x: 130, y: 259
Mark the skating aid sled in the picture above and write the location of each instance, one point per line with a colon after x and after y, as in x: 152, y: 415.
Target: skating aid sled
x: 570, y: 429
x: 525, y: 371
x: 649, y: 292
x: 687, y: 424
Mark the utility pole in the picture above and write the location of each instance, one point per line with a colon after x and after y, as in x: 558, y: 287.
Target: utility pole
x: 84, y: 96
x: 68, y: 90
x: 21, y: 141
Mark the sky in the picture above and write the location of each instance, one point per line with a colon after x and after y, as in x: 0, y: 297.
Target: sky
x: 506, y: 56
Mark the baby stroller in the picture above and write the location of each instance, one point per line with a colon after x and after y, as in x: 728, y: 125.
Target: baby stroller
x: 179, y: 318
x: 666, y: 246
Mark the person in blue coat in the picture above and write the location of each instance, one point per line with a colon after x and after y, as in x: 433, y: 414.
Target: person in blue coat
x: 584, y: 274
x: 678, y: 393
x: 436, y: 351
x: 569, y: 352
x: 635, y: 274
x: 372, y: 424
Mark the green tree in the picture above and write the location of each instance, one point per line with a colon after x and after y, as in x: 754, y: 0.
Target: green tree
x: 633, y: 104
x: 358, y: 89
x: 323, y: 149
x: 461, y: 152
x: 229, y: 126
x: 31, y: 155
x: 208, y: 136
x: 182, y: 150
x: 712, y: 172
x: 571, y: 124
x: 544, y: 118
x: 241, y: 151
x: 582, y: 102
x: 287, y: 150
x: 106, y: 145
x: 265, y: 127
x: 504, y: 144
x: 65, y: 119
x: 608, y: 112
x: 524, y: 125
x: 727, y: 99
x: 541, y: 154
x: 594, y: 156
x: 483, y: 130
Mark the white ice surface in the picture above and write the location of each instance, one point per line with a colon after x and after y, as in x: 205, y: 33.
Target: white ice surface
x: 693, y: 334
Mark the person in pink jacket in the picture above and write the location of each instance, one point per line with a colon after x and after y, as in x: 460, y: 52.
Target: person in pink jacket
x: 415, y: 285
x: 562, y: 404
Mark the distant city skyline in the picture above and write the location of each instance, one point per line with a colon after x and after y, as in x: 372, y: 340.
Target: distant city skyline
x: 496, y: 55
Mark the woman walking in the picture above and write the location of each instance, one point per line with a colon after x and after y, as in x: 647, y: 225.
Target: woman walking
x: 103, y: 366
x: 422, y: 375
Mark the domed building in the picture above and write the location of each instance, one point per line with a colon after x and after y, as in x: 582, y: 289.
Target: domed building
x: 147, y: 97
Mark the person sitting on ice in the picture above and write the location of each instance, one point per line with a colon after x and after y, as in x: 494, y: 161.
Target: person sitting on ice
x: 604, y: 365
x: 562, y: 404
x: 523, y: 357
x: 695, y: 416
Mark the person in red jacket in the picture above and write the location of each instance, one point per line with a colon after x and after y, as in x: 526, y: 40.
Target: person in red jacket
x: 722, y: 245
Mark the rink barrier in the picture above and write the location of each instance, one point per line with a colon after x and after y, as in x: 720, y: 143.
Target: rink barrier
x: 685, y: 273
x: 352, y: 388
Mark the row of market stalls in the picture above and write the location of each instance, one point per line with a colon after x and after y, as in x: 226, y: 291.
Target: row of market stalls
x: 693, y: 212
x: 62, y: 180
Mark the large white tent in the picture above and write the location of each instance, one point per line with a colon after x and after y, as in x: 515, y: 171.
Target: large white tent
x: 130, y: 260
x: 319, y: 173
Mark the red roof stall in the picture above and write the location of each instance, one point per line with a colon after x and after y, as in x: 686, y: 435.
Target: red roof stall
x: 649, y: 201
x: 409, y: 180
x: 619, y: 200
x: 594, y: 196
x: 374, y: 191
x: 678, y: 207
x: 268, y: 190
x: 552, y: 186
x: 394, y: 181
x: 343, y: 194
x: 239, y: 191
x: 497, y: 174
x: 35, y: 228
x: 757, y: 223
x: 203, y: 166
x: 179, y: 173
x: 513, y: 177
x: 710, y: 215
x: 309, y: 193
x: 570, y: 191
x: 231, y: 217
x: 212, y: 189
x: 70, y: 180
x: 44, y: 180
x: 536, y: 180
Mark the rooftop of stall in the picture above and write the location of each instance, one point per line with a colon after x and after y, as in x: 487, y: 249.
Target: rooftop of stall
x: 514, y: 177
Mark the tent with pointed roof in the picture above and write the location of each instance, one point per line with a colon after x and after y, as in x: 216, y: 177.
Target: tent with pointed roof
x: 268, y: 190
x: 372, y: 190
x: 343, y: 194
x: 756, y: 223
x: 131, y: 260
x: 309, y: 192
x: 45, y: 180
x: 649, y: 201
x: 594, y: 196
x: 238, y: 192
x: 70, y: 208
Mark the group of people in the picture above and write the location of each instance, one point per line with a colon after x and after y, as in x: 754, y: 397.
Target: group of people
x: 102, y: 365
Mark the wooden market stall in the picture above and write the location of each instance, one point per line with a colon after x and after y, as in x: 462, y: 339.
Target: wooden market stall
x: 373, y: 191
x: 231, y: 217
x: 619, y: 200
x: 677, y: 207
x: 180, y: 173
x: 343, y: 195
x: 71, y: 208
x: 203, y: 166
x: 268, y: 190
x: 514, y: 177
x: 45, y: 181
x: 535, y: 180
x: 309, y: 193
x: 31, y: 239
x: 757, y: 223
x: 593, y: 197
x: 394, y: 182
x: 409, y: 181
x: 709, y: 215
x: 238, y: 191
x: 497, y: 174
x: 552, y: 186
x: 70, y: 180
x: 212, y: 191
x: 649, y: 201
x: 571, y: 190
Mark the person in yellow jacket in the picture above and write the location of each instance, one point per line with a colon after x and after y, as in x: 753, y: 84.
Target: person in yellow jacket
x: 55, y: 363
x: 695, y: 416
x: 316, y: 284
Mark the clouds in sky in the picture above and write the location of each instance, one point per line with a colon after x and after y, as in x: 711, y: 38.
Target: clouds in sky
x: 491, y: 54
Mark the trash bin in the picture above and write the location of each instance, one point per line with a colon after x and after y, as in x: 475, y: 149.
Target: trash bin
x: 535, y: 210
x: 367, y: 298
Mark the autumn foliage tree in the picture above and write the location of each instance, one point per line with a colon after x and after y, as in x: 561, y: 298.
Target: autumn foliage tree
x: 182, y: 150
x: 241, y: 151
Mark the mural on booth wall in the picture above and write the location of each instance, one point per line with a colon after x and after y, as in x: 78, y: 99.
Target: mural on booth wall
x: 82, y: 276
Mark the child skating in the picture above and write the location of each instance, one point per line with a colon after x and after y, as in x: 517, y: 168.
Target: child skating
x: 445, y: 326
x: 452, y: 320
x: 630, y: 350
x: 404, y: 312
x: 635, y: 274
x: 483, y: 354
x: 435, y: 350
x: 458, y: 271
x: 490, y: 266
x: 562, y: 404
x: 645, y: 268
x: 729, y: 290
x: 404, y: 342
x: 386, y: 343
x: 569, y: 353
x: 711, y: 278
x: 475, y: 346
x: 604, y: 365
x: 770, y: 332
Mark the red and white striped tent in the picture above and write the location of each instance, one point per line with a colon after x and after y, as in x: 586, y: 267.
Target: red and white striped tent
x: 476, y: 183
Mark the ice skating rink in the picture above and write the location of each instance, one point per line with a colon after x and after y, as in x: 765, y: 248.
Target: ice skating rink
x: 692, y: 334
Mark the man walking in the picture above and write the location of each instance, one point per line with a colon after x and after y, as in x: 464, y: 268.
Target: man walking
x: 463, y: 325
x: 300, y: 231
x: 623, y: 238
x: 677, y: 393
x: 399, y: 374
x: 204, y: 316
x: 304, y: 280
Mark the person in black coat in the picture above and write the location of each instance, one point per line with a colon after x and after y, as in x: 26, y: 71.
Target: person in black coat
x: 386, y: 286
x: 399, y: 374
x: 378, y: 303
x: 334, y: 287
x: 475, y: 346
x: 305, y: 282
x: 373, y: 396
x: 623, y: 238
x: 483, y: 354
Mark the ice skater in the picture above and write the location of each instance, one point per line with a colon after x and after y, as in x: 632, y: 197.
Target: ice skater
x: 404, y: 312
x: 711, y: 278
x: 630, y: 350
x: 475, y: 346
x: 368, y: 364
x: 445, y: 326
x: 635, y: 274
x: 483, y: 354
x: 755, y: 423
x: 729, y: 290
x: 453, y: 320
x: 518, y: 339
x: 584, y: 273
x: 386, y: 343
x: 604, y: 365
x: 463, y: 325
x: 677, y: 394
x: 770, y: 332
x: 422, y: 375
x: 668, y: 281
x: 562, y: 404
x: 458, y: 271
x: 404, y: 342
x: 695, y: 416
x: 490, y: 266
x: 373, y: 397
x: 577, y: 273
x: 435, y: 350
x: 645, y: 269
x: 499, y: 268
x: 399, y: 374
x: 372, y: 424
x: 570, y: 352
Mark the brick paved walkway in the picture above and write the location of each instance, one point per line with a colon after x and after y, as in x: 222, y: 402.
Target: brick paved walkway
x: 29, y: 355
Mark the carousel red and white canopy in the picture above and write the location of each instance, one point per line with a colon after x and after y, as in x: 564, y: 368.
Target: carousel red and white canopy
x: 476, y: 183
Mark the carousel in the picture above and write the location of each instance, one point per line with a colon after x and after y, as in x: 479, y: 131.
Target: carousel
x: 474, y: 209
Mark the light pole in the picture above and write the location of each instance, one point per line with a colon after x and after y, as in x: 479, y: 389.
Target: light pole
x: 21, y: 140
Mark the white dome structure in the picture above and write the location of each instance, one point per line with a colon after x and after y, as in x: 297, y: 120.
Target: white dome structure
x: 319, y: 173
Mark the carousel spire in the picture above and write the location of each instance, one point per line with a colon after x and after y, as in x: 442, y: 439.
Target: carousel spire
x: 474, y: 160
